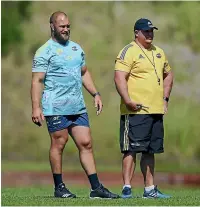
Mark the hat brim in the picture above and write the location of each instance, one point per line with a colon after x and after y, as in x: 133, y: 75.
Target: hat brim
x: 149, y: 27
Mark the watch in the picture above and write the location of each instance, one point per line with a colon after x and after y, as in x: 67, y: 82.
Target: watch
x: 166, y: 99
x: 95, y: 94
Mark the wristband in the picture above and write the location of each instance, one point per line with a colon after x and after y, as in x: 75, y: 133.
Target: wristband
x: 95, y: 94
x: 166, y: 99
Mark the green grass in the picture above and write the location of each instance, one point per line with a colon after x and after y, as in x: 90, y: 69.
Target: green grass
x: 168, y: 167
x: 42, y: 196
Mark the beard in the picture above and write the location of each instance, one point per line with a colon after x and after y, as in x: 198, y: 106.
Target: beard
x: 62, y: 38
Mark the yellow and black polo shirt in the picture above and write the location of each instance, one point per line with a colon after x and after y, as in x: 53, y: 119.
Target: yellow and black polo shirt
x: 143, y: 86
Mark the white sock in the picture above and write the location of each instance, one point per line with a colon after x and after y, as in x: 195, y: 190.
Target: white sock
x: 128, y: 186
x: 151, y: 187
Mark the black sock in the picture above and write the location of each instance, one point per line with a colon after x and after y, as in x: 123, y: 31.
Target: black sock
x: 57, y: 179
x: 94, y: 181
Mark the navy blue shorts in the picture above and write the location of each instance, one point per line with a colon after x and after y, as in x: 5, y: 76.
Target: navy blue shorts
x: 59, y: 122
x: 142, y: 133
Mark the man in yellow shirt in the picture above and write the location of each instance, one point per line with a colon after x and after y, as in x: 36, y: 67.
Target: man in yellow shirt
x: 144, y: 80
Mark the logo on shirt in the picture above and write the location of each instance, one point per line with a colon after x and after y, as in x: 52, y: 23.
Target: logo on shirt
x: 141, y: 56
x: 165, y: 66
x: 68, y: 57
x: 59, y: 51
x: 83, y: 56
x: 34, y: 63
x: 74, y: 48
x: 158, y: 55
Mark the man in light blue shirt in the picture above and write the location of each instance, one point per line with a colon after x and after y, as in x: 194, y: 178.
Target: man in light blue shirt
x: 60, y: 65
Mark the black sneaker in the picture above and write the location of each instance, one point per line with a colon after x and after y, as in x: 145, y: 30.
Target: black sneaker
x: 102, y: 192
x: 62, y: 192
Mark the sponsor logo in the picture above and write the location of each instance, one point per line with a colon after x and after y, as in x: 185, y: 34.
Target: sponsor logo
x: 135, y: 144
x: 74, y: 48
x: 141, y: 56
x: 34, y: 63
x: 59, y: 51
x: 56, y: 118
x: 68, y: 58
x: 56, y: 122
x: 158, y: 55
x: 66, y: 195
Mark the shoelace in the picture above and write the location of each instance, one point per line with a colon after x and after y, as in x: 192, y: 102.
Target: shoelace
x: 157, y: 191
x: 105, y: 190
x: 63, y: 188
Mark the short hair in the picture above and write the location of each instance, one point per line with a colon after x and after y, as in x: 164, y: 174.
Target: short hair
x: 55, y: 15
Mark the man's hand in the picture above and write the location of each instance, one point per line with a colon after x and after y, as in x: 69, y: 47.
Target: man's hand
x: 98, y: 104
x: 165, y: 107
x: 37, y: 116
x: 133, y: 106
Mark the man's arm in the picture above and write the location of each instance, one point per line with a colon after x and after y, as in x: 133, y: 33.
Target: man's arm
x: 122, y: 88
x: 167, y: 84
x: 90, y: 87
x: 87, y: 80
x: 121, y: 85
x: 36, y: 91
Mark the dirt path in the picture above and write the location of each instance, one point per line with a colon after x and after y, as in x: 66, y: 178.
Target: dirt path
x: 20, y: 179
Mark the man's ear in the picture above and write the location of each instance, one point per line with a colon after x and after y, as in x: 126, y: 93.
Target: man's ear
x: 136, y: 33
x: 52, y: 27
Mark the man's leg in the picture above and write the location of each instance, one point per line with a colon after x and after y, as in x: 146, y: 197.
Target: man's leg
x: 58, y: 141
x: 148, y: 160
x: 57, y: 127
x: 129, y: 158
x: 128, y: 167
x: 135, y: 133
x: 83, y: 140
x: 147, y: 164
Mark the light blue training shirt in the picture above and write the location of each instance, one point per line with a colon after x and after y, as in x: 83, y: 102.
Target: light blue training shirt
x: 62, y: 94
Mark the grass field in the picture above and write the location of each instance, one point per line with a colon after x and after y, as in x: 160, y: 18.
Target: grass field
x: 170, y: 167
x: 42, y: 196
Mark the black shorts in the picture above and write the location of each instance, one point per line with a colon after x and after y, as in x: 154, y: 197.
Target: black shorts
x: 141, y: 133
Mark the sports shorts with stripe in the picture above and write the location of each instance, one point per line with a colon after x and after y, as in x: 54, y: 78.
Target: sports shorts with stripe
x: 141, y: 133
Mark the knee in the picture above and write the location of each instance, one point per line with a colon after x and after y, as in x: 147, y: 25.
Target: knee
x: 58, y: 142
x: 86, y: 145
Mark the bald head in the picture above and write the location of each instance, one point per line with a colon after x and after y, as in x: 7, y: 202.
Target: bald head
x: 56, y: 15
x: 60, y: 27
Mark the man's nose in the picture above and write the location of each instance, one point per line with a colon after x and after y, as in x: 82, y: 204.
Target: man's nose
x: 150, y: 34
x: 66, y: 29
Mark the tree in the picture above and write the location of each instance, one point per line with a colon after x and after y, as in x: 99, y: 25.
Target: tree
x: 13, y: 14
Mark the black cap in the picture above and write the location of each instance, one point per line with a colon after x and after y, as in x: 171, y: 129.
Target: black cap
x: 144, y: 24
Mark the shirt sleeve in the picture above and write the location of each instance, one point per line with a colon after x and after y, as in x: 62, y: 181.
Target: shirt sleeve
x: 167, y: 67
x: 124, y: 60
x: 40, y: 62
x: 83, y: 63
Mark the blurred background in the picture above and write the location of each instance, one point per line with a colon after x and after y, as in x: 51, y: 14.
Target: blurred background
x: 102, y: 29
